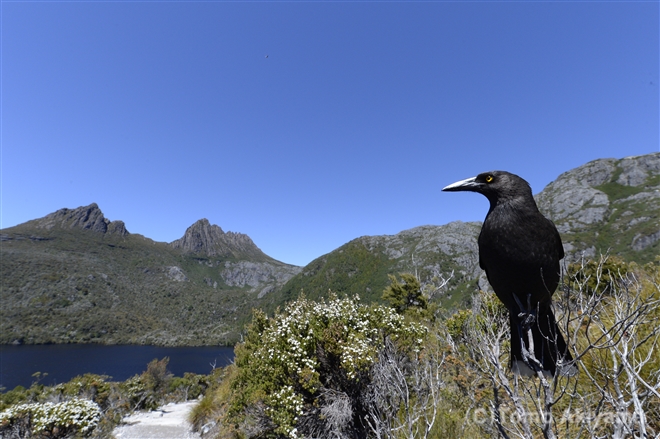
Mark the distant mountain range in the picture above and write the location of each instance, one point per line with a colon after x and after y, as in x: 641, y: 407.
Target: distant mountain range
x: 75, y: 276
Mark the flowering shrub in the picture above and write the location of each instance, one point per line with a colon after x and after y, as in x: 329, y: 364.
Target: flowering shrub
x: 61, y: 419
x: 290, y: 361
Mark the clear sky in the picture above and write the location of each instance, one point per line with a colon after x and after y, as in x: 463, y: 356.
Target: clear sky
x: 308, y: 124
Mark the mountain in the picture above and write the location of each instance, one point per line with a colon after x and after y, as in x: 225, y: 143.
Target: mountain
x: 606, y: 205
x: 87, y: 218
x: 206, y: 239
x: 362, y: 266
x: 75, y: 276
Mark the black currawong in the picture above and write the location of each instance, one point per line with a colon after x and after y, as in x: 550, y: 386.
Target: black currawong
x: 520, y: 250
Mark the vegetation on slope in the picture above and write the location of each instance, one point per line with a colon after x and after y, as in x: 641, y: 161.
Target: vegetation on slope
x: 74, y: 286
x: 327, y: 369
x: 437, y: 254
x: 341, y: 368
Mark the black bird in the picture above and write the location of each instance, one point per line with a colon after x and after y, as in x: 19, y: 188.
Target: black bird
x: 520, y: 250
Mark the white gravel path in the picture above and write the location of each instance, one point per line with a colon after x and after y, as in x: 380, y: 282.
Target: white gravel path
x: 168, y: 422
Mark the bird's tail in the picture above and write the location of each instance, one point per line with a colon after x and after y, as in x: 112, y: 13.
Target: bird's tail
x: 550, y: 349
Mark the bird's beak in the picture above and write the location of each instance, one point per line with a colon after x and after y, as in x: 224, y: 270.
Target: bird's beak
x: 469, y: 184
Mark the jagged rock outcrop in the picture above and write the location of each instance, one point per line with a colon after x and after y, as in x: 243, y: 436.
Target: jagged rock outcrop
x: 456, y: 240
x: 117, y: 228
x: 606, y: 205
x: 206, y: 239
x: 636, y: 170
x: 572, y: 201
x: 262, y: 276
x: 176, y: 274
x: 240, y: 263
x: 575, y: 195
x: 84, y: 217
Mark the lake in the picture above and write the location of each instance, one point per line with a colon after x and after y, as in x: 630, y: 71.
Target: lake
x: 65, y: 361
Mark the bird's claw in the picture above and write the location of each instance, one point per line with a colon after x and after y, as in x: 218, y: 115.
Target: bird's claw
x: 527, y: 319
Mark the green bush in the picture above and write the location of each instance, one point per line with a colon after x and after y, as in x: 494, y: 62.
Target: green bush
x: 598, y: 276
x: 406, y: 294
x: 190, y: 386
x: 12, y: 397
x: 148, y: 390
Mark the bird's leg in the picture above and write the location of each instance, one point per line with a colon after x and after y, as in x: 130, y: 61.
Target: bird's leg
x: 527, y: 314
x: 532, y: 311
x: 528, y: 317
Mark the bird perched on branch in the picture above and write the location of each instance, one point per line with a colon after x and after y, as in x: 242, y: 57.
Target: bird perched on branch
x: 520, y: 250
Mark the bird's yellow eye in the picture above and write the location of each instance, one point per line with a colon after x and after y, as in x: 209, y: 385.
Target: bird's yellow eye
x: 489, y: 179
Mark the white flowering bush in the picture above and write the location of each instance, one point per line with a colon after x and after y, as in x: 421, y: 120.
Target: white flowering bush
x: 291, y: 362
x: 57, y: 419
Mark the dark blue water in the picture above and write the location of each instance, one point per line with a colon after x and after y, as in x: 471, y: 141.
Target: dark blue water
x: 63, y: 362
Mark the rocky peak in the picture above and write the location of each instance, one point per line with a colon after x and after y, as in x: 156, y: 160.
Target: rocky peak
x: 577, y: 198
x: 117, y: 228
x: 635, y: 171
x: 206, y: 239
x: 616, y: 201
x: 84, y: 217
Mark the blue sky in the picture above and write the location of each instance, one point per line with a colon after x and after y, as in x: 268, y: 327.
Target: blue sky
x: 308, y: 124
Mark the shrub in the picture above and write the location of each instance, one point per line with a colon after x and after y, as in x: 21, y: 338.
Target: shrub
x: 406, y: 294
x: 12, y: 397
x: 208, y: 417
x: 88, y: 386
x: 54, y: 420
x: 305, y: 371
x: 148, y: 390
x: 598, y: 276
x: 190, y: 386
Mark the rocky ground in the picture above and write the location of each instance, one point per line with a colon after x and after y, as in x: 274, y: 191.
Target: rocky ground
x: 169, y: 422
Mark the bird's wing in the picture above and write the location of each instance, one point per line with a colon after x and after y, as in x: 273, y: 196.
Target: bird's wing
x: 481, y: 256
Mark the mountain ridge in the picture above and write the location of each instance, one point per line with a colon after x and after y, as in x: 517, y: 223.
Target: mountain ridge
x: 84, y: 217
x: 74, y: 276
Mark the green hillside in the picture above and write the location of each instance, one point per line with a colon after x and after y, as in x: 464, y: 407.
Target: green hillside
x: 361, y: 267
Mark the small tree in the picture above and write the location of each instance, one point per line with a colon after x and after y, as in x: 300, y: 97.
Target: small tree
x: 406, y: 294
x: 148, y: 390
